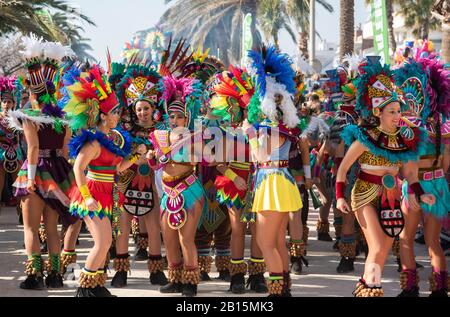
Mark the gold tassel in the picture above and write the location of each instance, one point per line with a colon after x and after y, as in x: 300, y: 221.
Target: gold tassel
x: 155, y: 266
x: 347, y: 250
x: 275, y: 286
x: 204, y: 263
x: 191, y: 276
x: 121, y: 265
x: 236, y: 268
x: 222, y: 262
x: 175, y: 274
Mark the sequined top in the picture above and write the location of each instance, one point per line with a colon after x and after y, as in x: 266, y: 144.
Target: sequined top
x: 368, y: 159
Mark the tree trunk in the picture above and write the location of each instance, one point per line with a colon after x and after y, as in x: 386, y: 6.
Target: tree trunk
x: 425, y: 30
x: 303, y: 44
x: 390, y: 17
x: 446, y: 42
x: 347, y: 27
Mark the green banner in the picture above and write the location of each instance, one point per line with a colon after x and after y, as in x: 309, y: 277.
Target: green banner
x: 247, y: 36
x: 380, y: 29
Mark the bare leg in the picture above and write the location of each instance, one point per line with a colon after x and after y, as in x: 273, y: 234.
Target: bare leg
x: 122, y: 240
x: 51, y: 227
x: 32, y: 208
x: 153, y: 227
x: 101, y: 231
x: 187, y: 237
x: 237, y: 234
x: 268, y: 225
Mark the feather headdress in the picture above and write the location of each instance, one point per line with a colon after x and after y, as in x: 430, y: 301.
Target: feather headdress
x: 275, y: 87
x: 233, y: 91
x: 90, y: 95
x: 181, y: 95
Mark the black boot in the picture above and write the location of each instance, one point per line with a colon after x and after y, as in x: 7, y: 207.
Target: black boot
x: 54, y: 280
x: 439, y: 293
x: 224, y: 275
x: 346, y: 265
x: 158, y: 278
x: 297, y: 264
x: 189, y: 290
x: 120, y: 279
x: 413, y: 292
x: 336, y: 246
x: 141, y: 255
x: 257, y: 283
x: 85, y: 292
x: 204, y: 276
x: 237, y: 284
x: 101, y: 291
x: 171, y: 288
x: 324, y: 236
x: 33, y: 282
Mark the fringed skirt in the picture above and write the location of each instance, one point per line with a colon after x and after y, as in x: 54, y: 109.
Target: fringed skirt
x: 276, y: 190
x: 227, y: 193
x: 54, y: 182
x: 439, y: 188
x: 103, y: 193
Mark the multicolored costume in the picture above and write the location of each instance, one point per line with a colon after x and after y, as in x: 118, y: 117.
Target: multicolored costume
x: 90, y: 95
x: 181, y: 193
x: 52, y: 174
x: 272, y: 111
x: 426, y: 86
x: 385, y: 152
x: 231, y: 93
x: 11, y: 155
x: 139, y: 84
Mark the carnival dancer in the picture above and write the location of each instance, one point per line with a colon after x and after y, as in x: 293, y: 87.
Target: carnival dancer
x: 426, y: 86
x: 11, y: 155
x: 101, y: 149
x: 276, y: 193
x: 380, y: 150
x: 46, y: 178
x: 232, y: 93
x: 183, y: 200
x: 137, y: 91
x: 215, y: 229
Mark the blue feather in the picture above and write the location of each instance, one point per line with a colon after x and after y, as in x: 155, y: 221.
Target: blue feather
x: 274, y: 64
x: 78, y: 141
x: 353, y: 132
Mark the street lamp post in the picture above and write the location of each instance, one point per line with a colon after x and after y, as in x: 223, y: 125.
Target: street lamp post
x: 312, y: 31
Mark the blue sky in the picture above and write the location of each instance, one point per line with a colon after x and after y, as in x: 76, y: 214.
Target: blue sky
x: 117, y: 20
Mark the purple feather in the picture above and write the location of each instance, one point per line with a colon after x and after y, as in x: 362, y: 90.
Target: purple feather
x: 439, y: 79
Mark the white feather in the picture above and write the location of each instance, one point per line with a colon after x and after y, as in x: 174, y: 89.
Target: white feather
x: 353, y: 61
x: 268, y: 105
x: 55, y: 51
x: 33, y: 46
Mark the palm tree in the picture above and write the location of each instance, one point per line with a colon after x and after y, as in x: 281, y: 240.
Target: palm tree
x: 273, y: 17
x: 25, y: 17
x: 213, y: 24
x: 418, y: 17
x: 298, y: 11
x: 441, y: 11
x: 347, y: 27
x: 67, y: 33
x: 218, y: 24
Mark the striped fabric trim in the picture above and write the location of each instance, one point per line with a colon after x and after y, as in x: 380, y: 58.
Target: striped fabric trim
x: 107, y: 178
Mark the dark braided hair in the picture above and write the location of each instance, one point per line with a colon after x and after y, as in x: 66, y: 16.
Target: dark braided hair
x: 438, y: 140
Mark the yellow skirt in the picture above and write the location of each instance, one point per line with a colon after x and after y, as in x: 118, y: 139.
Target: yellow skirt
x: 276, y: 190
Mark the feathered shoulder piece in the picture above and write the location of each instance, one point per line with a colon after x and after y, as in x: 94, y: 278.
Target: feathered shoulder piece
x: 139, y: 83
x: 118, y: 141
x: 173, y: 63
x: 90, y: 94
x: 232, y: 92
x: 401, y: 146
x: 275, y: 87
